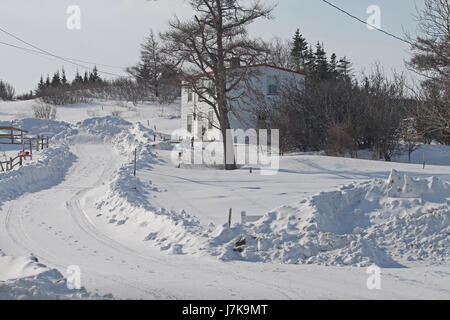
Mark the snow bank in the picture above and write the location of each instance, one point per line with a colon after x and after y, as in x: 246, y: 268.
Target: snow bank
x: 49, y: 170
x: 25, y: 278
x: 126, y: 202
x: 383, y: 222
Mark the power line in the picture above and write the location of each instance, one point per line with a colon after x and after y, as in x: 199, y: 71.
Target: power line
x: 72, y: 59
x: 51, y: 54
x: 366, y: 23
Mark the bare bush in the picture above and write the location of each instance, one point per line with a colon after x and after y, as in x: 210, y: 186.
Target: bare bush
x: 339, y: 142
x: 44, y: 111
x: 116, y: 113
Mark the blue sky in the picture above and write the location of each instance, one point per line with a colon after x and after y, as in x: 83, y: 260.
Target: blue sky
x: 111, y: 31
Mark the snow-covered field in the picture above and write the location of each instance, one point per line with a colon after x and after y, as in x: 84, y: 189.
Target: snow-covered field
x: 164, y: 234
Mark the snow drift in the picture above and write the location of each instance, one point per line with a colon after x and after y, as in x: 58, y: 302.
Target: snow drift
x: 127, y: 199
x: 49, y: 170
x: 25, y: 278
x: 381, y: 222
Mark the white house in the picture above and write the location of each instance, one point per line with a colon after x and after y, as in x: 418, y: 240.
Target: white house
x: 198, y: 117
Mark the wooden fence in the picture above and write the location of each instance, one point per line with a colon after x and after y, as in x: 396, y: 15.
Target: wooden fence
x: 16, y: 136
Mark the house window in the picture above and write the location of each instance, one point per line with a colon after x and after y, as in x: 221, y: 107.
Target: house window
x: 189, y: 123
x: 210, y: 119
x: 190, y: 94
x: 272, y: 85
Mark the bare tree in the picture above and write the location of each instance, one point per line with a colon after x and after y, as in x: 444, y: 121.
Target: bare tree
x: 278, y: 53
x: 431, y: 59
x: 215, y: 39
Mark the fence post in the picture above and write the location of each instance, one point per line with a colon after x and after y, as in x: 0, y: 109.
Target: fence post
x: 424, y: 160
x: 42, y: 142
x: 1, y: 165
x: 11, y: 163
x: 20, y: 160
x: 12, y: 136
x: 37, y: 143
x: 229, y: 217
x: 47, y: 142
x: 31, y: 148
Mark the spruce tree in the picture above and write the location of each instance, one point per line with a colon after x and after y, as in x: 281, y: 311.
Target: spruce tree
x: 86, y: 78
x: 309, y: 61
x: 56, y: 80
x: 93, y: 76
x: 321, y: 62
x: 299, y: 51
x: 63, y: 77
x: 333, y: 65
x: 344, y: 67
x: 41, y: 86
x: 78, y: 80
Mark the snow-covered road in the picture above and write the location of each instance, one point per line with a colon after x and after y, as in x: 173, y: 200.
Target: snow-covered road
x: 54, y: 225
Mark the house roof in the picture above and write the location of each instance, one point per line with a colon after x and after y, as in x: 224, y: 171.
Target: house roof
x: 275, y: 67
x: 261, y: 65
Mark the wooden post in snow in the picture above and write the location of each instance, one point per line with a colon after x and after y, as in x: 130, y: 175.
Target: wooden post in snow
x: 47, y: 142
x: 42, y: 142
x: 135, y: 158
x: 37, y: 143
x: 229, y: 217
x: 424, y: 160
x: 31, y: 148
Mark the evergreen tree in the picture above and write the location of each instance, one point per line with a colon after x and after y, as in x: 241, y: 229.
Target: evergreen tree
x: 78, y: 80
x: 93, y: 76
x: 56, y: 80
x: 154, y: 68
x: 86, y: 78
x: 321, y: 62
x: 333, y: 65
x: 63, y: 78
x: 41, y: 86
x: 309, y: 61
x: 344, y: 67
x: 47, y: 81
x: 299, y: 51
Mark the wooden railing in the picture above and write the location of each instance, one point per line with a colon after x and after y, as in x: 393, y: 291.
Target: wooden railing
x: 16, y: 136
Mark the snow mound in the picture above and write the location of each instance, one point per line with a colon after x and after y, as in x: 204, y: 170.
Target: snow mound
x: 49, y: 170
x: 25, y: 278
x: 382, y: 222
x: 36, y: 126
x: 126, y: 201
